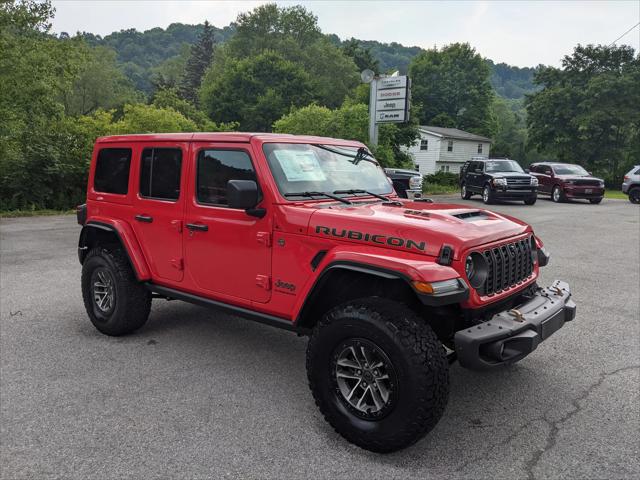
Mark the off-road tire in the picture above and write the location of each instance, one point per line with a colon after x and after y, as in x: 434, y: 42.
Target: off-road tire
x: 634, y: 195
x: 465, y: 194
x: 558, y: 197
x: 132, y: 301
x: 417, y: 357
x: 530, y: 201
x: 487, y: 195
x: 595, y: 200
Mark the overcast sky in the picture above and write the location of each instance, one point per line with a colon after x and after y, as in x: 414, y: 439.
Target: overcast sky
x: 516, y: 32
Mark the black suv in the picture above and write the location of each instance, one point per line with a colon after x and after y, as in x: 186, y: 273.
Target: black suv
x: 497, y: 179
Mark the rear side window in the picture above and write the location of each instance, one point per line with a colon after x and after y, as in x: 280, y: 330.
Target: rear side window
x: 216, y: 168
x: 112, y: 171
x: 160, y: 173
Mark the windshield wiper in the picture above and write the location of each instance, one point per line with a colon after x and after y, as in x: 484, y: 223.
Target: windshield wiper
x: 318, y: 194
x: 355, y: 191
x: 357, y: 158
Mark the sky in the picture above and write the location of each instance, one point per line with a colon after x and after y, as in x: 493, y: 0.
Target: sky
x: 521, y: 33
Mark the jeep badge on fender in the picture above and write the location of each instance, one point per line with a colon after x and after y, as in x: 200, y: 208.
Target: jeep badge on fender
x: 307, y: 234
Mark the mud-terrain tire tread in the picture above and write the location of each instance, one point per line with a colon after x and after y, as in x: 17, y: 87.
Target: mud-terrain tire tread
x: 422, y: 349
x: 133, y: 298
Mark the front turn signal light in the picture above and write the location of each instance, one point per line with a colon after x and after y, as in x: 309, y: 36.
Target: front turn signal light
x: 435, y: 288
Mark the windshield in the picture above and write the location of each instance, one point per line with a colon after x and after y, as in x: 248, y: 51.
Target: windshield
x: 569, y: 170
x: 299, y: 168
x: 503, y: 166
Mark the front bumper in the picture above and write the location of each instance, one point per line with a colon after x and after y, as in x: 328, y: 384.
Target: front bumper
x: 511, y: 335
x: 584, y: 192
x: 520, y: 193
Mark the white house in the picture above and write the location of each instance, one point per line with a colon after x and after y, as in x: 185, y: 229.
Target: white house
x: 446, y: 149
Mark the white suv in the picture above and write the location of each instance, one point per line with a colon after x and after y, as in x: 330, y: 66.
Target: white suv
x: 631, y: 184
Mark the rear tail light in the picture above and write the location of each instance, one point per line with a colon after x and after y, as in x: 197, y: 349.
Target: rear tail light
x: 626, y: 178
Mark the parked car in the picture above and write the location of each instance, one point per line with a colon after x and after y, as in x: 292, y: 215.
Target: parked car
x: 566, y: 181
x: 631, y: 184
x: 497, y: 179
x: 306, y: 234
x: 407, y: 183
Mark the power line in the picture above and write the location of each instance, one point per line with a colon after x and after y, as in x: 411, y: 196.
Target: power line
x: 624, y: 34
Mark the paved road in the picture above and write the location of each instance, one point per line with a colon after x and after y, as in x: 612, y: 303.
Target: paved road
x: 198, y: 394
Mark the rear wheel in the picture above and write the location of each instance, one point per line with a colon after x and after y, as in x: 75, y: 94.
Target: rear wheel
x: 557, y: 195
x: 115, y: 301
x: 464, y: 193
x: 634, y: 195
x: 487, y: 195
x: 378, y: 373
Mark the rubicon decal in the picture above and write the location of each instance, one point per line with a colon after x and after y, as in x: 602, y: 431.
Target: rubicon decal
x: 372, y: 238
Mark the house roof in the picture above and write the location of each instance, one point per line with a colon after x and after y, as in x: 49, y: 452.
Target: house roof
x: 453, y: 133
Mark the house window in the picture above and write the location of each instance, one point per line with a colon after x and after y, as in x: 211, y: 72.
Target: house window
x: 450, y: 146
x: 479, y: 148
x: 424, y: 144
x: 444, y: 168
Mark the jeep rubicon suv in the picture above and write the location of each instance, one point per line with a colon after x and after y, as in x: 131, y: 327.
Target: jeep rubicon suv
x: 307, y: 234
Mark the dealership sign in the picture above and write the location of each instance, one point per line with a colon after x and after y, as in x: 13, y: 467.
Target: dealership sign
x: 392, y: 99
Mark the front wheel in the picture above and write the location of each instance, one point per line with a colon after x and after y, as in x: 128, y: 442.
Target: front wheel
x: 464, y: 193
x: 531, y: 200
x: 378, y: 373
x: 487, y: 195
x: 557, y: 195
x: 595, y: 200
x: 634, y: 195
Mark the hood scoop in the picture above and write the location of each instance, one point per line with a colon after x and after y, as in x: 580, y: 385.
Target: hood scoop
x: 471, y: 216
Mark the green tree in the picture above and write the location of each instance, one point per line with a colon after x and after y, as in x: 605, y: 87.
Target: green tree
x: 510, y: 129
x: 293, y: 34
x: 255, y: 91
x: 99, y: 83
x: 169, y: 73
x: 362, y: 57
x: 452, y: 88
x: 587, y: 111
x: 197, y: 64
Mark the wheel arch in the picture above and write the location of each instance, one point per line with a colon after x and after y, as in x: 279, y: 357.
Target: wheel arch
x: 96, y: 232
x: 342, y: 281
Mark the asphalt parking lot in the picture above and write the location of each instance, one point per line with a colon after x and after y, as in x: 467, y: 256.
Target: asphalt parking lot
x: 198, y: 394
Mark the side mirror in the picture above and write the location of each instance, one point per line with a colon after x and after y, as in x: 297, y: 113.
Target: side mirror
x: 242, y: 194
x: 526, y: 170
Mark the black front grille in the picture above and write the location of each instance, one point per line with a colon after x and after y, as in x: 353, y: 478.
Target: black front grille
x: 585, y: 183
x: 509, y: 265
x: 519, y: 182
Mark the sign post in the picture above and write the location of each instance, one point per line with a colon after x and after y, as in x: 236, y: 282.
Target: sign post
x: 389, y: 102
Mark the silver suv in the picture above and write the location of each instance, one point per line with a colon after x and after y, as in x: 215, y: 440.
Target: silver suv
x: 631, y: 184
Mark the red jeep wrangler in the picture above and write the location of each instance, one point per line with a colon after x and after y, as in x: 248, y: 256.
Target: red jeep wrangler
x: 307, y: 234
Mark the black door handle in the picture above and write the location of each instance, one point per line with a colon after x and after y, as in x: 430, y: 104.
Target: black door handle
x: 197, y: 226
x: 144, y: 218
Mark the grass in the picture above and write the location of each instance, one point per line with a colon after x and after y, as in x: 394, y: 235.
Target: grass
x: 435, y: 189
x: 615, y: 194
x: 33, y: 213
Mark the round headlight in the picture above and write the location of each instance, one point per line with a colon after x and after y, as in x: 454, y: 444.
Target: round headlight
x: 476, y: 269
